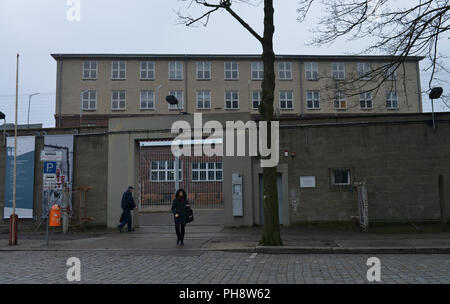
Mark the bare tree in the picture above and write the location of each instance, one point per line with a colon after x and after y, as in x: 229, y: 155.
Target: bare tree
x: 271, y: 232
x: 414, y: 30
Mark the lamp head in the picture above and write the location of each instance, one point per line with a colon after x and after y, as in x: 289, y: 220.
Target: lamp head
x: 436, y: 93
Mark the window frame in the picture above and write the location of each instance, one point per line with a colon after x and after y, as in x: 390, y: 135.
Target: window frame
x: 203, y: 70
x: 147, y: 101
x: 313, y: 99
x: 207, y: 170
x: 202, y: 92
x: 365, y: 100
x: 90, y: 70
x: 333, y: 177
x: 119, y: 70
x: 284, y: 70
x: 166, y: 171
x: 286, y: 99
x: 259, y: 92
x: 178, y: 68
x: 89, y: 92
x: 389, y: 95
x: 309, y: 69
x: 147, y: 70
x: 361, y: 71
x: 231, y: 70
x: 338, y: 64
x: 175, y: 93
x: 340, y: 96
x: 258, y: 68
x: 119, y: 100
x: 231, y: 100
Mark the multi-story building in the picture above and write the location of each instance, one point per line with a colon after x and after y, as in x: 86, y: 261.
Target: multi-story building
x: 94, y: 87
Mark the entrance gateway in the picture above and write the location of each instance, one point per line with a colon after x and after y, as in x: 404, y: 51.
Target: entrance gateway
x: 161, y: 174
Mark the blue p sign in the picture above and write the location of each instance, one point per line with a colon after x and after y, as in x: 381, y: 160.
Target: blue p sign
x: 50, y: 167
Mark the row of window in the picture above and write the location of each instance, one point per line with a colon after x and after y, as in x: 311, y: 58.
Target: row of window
x: 231, y: 100
x: 147, y: 70
x: 164, y: 171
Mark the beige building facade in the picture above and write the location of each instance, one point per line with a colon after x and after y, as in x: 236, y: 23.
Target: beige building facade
x: 91, y: 88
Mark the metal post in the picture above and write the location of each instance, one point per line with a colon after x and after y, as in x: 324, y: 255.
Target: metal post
x: 177, y: 178
x: 13, y: 218
x: 432, y: 112
x: 29, y: 105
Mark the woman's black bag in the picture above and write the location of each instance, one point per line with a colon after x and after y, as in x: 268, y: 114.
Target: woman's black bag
x: 190, y: 215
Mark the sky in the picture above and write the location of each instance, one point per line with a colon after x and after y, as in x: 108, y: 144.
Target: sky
x: 36, y: 29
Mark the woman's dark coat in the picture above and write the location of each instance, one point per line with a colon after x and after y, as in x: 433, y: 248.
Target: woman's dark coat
x: 181, y: 209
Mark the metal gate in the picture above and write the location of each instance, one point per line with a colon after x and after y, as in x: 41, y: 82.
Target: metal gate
x: 200, y: 176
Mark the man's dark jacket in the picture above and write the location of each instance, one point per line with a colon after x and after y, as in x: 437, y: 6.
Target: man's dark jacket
x: 128, y: 201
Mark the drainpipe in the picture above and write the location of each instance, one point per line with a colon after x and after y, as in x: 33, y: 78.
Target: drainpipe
x: 60, y: 90
x: 185, y: 106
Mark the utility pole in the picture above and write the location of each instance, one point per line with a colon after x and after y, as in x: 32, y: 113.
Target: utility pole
x: 14, y: 218
x: 29, y: 104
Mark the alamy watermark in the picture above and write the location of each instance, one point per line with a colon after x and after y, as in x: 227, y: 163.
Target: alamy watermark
x: 74, y: 11
x: 212, y: 146
x: 74, y: 271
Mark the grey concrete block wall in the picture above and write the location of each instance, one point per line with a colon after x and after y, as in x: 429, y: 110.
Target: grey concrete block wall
x: 91, y: 169
x: 401, y: 163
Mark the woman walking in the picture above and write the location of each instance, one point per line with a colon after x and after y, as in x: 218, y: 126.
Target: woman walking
x: 180, y: 207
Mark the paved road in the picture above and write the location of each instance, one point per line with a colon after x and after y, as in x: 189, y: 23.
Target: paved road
x: 192, y: 266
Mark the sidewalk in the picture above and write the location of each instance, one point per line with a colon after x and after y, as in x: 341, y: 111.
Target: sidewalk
x: 214, y: 237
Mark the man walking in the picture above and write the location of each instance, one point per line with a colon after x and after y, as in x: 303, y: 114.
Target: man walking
x: 127, y: 205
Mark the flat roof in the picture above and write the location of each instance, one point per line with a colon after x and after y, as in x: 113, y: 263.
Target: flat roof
x: 234, y: 56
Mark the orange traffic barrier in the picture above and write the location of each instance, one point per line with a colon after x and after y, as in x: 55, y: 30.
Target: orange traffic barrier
x: 55, y: 216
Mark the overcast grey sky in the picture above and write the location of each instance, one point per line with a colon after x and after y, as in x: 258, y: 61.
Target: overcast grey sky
x: 35, y: 29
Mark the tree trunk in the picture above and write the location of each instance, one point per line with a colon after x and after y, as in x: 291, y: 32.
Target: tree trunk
x: 271, y: 234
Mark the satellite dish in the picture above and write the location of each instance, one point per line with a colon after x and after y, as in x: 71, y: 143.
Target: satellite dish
x: 172, y: 100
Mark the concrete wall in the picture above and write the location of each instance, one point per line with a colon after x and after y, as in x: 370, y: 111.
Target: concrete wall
x: 401, y: 162
x: 90, y: 168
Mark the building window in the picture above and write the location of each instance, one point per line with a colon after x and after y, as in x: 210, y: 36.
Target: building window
x: 231, y: 100
x: 90, y: 69
x: 164, y: 171
x: 313, y: 100
x: 340, y: 102
x: 256, y: 99
x: 175, y: 70
x: 203, y: 70
x: 364, y: 70
x: 257, y: 70
x: 147, y: 100
x: 311, y: 70
x: 207, y: 172
x: 89, y: 100
x: 231, y: 70
x: 340, y: 177
x: 365, y: 100
x: 285, y: 70
x: 286, y: 100
x: 119, y: 70
x: 390, y: 71
x: 118, y: 100
x: 338, y: 70
x: 180, y: 96
x: 203, y: 100
x: 392, y: 100
x: 147, y: 70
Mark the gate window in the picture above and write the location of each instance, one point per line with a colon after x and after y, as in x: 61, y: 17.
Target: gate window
x: 204, y: 172
x: 164, y: 170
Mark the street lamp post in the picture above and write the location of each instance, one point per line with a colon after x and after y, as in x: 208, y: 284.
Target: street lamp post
x: 29, y: 103
x: 435, y: 93
x: 3, y: 116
